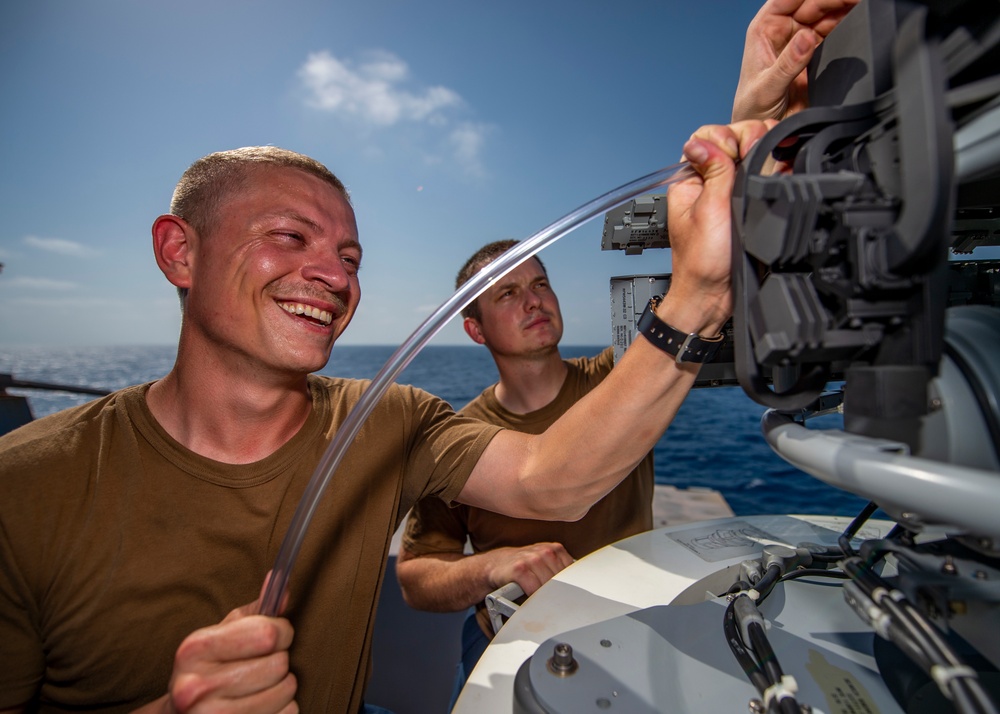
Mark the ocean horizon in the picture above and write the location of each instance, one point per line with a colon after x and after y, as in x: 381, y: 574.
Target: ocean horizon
x: 715, y: 441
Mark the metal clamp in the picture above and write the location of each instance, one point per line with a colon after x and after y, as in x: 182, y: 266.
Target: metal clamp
x: 500, y: 604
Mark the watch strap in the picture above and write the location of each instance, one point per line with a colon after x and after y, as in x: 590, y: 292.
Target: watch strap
x: 682, y: 346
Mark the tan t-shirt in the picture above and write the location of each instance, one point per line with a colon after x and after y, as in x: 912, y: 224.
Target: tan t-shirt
x: 433, y: 527
x: 116, y: 542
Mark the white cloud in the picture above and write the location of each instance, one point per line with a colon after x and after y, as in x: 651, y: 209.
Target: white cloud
x: 373, y: 90
x: 467, y: 142
x: 59, y: 246
x: 379, y: 91
x: 26, y: 283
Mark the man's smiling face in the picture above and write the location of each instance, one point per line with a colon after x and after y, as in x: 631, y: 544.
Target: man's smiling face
x: 275, y: 280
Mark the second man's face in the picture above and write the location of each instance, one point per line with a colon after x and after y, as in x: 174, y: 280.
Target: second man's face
x: 520, y: 313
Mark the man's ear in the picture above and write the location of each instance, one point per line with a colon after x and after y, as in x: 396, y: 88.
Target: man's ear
x: 174, y: 242
x: 474, y: 330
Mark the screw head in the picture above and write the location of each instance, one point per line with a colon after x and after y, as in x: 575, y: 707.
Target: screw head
x: 562, y: 663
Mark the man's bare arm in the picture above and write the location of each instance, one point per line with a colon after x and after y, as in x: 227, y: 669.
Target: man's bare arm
x: 559, y: 474
x: 449, y: 582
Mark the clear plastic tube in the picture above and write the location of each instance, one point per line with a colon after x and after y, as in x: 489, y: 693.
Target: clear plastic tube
x: 334, y: 453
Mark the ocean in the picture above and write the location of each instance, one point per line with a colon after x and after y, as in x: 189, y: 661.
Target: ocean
x: 715, y: 441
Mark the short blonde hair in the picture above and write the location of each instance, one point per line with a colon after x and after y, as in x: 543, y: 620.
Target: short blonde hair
x: 211, y: 179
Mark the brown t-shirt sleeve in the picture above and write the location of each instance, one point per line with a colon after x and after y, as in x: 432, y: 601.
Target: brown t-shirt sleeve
x: 434, y: 527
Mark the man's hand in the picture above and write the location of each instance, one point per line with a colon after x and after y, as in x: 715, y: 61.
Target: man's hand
x: 239, y: 665
x: 530, y: 566
x: 780, y: 41
x: 699, y: 223
x: 449, y: 582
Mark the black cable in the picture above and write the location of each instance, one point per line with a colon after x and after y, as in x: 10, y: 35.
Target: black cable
x: 918, y: 638
x: 765, y: 654
x: 817, y: 572
x: 761, y: 647
x: 767, y: 581
x: 959, y: 687
x: 844, y: 541
x: 738, y: 586
x: 965, y: 692
x: 747, y: 637
x: 747, y: 663
x: 844, y: 549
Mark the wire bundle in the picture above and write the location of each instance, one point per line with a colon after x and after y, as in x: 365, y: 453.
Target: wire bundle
x: 883, y: 607
x: 747, y: 637
x: 896, y: 619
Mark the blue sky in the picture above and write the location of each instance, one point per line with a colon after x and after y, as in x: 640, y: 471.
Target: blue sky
x: 452, y: 123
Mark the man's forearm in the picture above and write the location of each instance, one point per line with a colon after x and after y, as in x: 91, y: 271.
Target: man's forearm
x: 610, y: 430
x: 449, y: 582
x: 444, y: 582
x: 559, y: 474
x: 562, y: 472
x: 584, y: 455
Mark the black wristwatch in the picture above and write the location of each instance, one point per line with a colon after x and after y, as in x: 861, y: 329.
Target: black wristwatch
x: 681, y: 346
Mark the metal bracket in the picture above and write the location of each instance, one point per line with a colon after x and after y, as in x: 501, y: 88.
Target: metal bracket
x: 500, y: 604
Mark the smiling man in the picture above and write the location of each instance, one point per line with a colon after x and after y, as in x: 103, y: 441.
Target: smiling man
x: 519, y: 321
x: 131, y: 526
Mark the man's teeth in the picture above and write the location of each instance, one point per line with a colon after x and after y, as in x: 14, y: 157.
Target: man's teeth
x: 297, y: 308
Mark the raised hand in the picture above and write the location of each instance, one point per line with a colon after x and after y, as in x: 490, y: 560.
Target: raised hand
x: 699, y: 222
x: 780, y: 41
